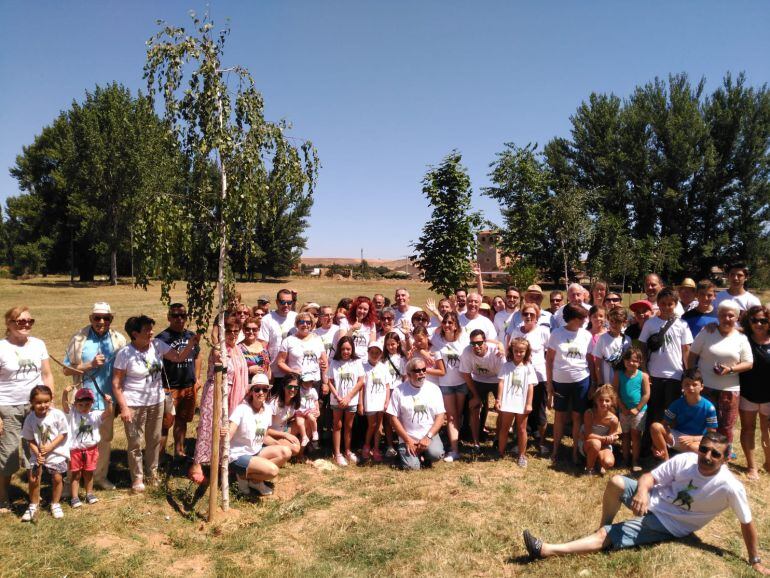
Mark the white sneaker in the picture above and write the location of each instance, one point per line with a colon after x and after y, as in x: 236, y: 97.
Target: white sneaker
x: 29, y: 513
x: 261, y: 488
x: 340, y: 460
x: 243, y: 486
x: 56, y: 511
x: 315, y: 436
x: 451, y: 457
x: 352, y: 458
x: 305, y: 441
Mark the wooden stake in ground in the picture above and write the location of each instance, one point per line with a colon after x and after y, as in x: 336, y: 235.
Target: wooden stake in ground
x: 216, y: 421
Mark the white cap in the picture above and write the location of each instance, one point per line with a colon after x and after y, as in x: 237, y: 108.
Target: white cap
x: 102, y: 307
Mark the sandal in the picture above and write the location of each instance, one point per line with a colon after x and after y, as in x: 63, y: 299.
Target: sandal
x: 533, y: 545
x: 752, y: 475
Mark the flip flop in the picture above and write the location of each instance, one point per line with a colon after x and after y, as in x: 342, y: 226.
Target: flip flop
x: 533, y: 545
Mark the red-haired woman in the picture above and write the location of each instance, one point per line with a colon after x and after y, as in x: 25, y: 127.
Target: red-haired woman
x: 360, y: 324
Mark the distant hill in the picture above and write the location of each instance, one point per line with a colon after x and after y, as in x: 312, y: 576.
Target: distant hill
x: 326, y: 261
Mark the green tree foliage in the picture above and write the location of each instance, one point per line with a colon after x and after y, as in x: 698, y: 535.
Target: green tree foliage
x: 241, y: 170
x: 448, y: 242
x: 675, y: 179
x: 84, y: 176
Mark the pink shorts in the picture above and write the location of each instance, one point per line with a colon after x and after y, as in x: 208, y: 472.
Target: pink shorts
x: 746, y: 405
x: 84, y: 460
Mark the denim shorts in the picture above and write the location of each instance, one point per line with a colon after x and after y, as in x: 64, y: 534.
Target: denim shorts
x: 349, y: 409
x: 241, y: 464
x: 460, y: 389
x: 572, y: 396
x: 636, y: 531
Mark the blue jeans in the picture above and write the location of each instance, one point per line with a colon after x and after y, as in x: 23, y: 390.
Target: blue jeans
x: 433, y: 453
x: 636, y: 531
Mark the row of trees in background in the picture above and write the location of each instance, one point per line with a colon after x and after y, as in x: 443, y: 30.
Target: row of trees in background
x: 90, y: 176
x: 671, y: 180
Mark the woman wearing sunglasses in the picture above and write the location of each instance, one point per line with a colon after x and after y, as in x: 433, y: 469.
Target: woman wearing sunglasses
x: 250, y: 426
x: 23, y: 365
x: 755, y: 394
x: 287, y: 427
x: 238, y: 382
x: 304, y: 352
x: 255, y: 354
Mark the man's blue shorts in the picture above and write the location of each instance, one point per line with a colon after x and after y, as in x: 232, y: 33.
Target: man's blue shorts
x: 636, y: 531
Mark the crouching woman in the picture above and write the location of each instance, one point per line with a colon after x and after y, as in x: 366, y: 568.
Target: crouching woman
x: 253, y: 462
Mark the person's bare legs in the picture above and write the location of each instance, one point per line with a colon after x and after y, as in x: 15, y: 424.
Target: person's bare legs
x: 659, y: 442
x: 559, y: 421
x: 276, y: 454
x: 506, y: 419
x: 349, y: 417
x: 475, y: 412
x: 591, y: 448
x: 521, y: 429
x: 595, y: 542
x: 454, y: 405
x: 636, y: 446
x: 748, y: 427
x: 337, y: 431
x: 577, y: 420
x: 764, y: 430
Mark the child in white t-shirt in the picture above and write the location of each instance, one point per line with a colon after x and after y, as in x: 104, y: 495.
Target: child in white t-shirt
x: 346, y: 379
x: 374, y: 401
x: 309, y: 410
x: 46, y: 430
x: 395, y: 361
x: 515, y: 388
x: 84, y: 441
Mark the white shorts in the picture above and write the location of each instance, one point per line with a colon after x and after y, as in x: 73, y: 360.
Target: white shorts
x: 746, y: 405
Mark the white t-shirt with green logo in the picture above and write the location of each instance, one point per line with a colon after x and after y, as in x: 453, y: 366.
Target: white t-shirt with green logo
x: 250, y: 433
x: 376, y: 386
x: 416, y: 407
x: 517, y: 381
x: 143, y: 383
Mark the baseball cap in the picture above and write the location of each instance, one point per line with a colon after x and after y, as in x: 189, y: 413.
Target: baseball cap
x: 263, y: 299
x: 101, y: 307
x: 84, y: 394
x: 641, y: 305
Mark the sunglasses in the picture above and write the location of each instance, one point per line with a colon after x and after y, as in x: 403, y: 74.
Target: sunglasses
x: 260, y: 389
x: 419, y: 370
x: 528, y: 314
x: 107, y: 318
x: 387, y: 318
x: 23, y: 322
x: 304, y: 322
x: 284, y: 302
x: 612, y: 299
x: 250, y: 330
x: 477, y: 343
x: 290, y: 387
x: 84, y: 400
x: 760, y: 320
x: 178, y: 315
x: 704, y: 449
x: 232, y: 331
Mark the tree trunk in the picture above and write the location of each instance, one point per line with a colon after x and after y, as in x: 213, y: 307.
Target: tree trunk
x: 566, y: 269
x: 113, y: 267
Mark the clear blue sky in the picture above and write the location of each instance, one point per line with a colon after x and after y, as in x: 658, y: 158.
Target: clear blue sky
x: 385, y: 89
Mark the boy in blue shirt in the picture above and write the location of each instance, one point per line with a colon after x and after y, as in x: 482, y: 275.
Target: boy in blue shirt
x: 686, y: 420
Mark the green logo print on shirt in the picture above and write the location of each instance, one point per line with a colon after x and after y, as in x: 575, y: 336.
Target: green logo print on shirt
x: 420, y: 410
x: 683, y: 497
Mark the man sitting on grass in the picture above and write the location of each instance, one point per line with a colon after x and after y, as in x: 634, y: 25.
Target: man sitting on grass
x: 677, y: 498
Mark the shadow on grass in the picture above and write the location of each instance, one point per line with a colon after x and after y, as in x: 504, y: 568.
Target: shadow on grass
x: 694, y: 541
x: 62, y: 284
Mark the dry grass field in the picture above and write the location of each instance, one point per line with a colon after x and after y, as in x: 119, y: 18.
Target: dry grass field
x: 461, y: 519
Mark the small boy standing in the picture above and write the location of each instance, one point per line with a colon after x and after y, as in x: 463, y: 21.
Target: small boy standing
x: 84, y: 441
x: 45, y: 428
x: 687, y: 419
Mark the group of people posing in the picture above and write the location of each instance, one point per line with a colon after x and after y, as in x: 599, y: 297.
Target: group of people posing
x: 297, y: 373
